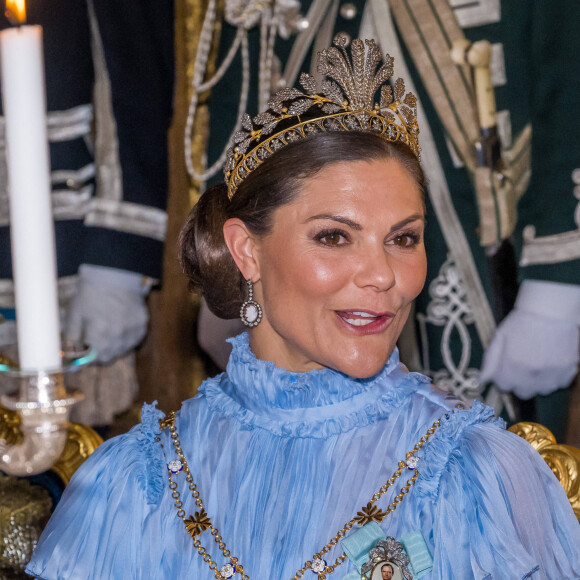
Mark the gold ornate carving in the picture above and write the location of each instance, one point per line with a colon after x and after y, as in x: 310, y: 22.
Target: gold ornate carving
x: 564, y: 460
x: 80, y: 443
x: 6, y: 360
x: 535, y: 434
x: 9, y: 420
x: 191, y: 18
x: 10, y: 426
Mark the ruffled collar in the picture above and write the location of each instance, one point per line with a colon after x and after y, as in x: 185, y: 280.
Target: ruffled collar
x: 317, y: 403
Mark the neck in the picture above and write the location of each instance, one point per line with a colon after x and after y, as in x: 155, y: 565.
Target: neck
x: 267, y: 345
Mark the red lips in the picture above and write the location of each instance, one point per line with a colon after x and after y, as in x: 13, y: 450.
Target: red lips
x: 364, y: 322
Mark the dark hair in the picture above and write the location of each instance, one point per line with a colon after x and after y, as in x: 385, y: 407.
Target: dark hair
x: 203, y: 254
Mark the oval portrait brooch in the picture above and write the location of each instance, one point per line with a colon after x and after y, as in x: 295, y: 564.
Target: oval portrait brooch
x: 387, y: 561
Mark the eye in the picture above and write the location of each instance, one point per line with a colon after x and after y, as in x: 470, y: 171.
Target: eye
x: 406, y: 240
x: 332, y: 237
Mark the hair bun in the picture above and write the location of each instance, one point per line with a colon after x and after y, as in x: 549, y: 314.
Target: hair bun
x: 205, y: 258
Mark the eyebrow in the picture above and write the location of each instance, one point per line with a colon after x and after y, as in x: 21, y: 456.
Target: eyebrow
x: 410, y: 219
x: 335, y: 218
x: 353, y: 225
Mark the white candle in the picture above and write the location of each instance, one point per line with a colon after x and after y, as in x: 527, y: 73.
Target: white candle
x: 31, y: 222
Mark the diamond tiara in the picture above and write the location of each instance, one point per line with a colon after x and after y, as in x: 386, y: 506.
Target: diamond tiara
x: 345, y: 103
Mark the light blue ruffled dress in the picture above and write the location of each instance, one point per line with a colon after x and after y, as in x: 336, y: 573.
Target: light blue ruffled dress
x: 282, y: 460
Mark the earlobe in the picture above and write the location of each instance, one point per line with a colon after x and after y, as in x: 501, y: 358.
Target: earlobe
x: 242, y: 246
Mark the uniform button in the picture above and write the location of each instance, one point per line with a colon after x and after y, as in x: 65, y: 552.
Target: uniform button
x: 348, y: 11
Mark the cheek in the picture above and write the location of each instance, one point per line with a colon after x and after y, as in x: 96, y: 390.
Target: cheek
x: 411, y: 278
x: 305, y: 275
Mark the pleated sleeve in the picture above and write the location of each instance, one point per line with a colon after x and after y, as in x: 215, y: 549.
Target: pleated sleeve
x: 499, y: 512
x: 96, y: 531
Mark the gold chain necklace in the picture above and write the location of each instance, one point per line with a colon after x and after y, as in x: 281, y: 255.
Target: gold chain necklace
x: 197, y: 524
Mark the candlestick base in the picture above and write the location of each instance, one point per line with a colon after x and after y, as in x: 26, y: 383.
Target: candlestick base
x: 43, y: 404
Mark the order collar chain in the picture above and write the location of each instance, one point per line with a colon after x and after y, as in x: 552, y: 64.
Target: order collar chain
x: 200, y: 522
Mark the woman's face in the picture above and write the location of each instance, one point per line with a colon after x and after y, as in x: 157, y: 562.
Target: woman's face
x: 338, y: 271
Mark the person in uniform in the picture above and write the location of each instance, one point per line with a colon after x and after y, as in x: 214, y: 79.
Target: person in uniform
x: 491, y: 228
x: 109, y: 78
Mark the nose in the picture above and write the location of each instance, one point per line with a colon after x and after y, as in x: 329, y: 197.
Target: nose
x: 375, y: 268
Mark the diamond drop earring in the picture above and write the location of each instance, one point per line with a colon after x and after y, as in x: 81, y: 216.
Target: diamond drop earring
x: 251, y: 311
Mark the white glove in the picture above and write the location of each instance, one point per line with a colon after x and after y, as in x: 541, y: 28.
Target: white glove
x: 109, y: 311
x: 536, y: 348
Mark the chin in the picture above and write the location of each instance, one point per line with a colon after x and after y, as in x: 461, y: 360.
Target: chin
x: 364, y: 367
